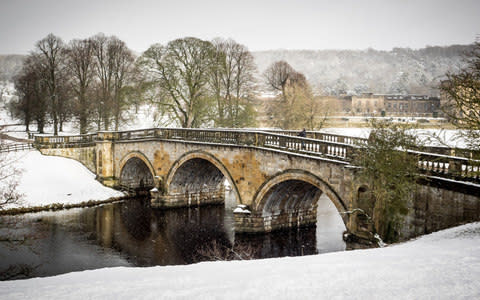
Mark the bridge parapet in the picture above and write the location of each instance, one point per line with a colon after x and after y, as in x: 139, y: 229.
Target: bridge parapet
x: 323, y: 136
x: 323, y: 145
x: 335, y: 146
x: 67, y: 141
x: 446, y: 166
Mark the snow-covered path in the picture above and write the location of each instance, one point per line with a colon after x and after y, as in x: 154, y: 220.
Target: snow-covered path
x: 443, y: 265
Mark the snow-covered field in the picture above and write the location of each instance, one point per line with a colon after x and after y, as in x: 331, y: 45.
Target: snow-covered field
x: 47, y: 179
x: 429, y: 137
x: 442, y: 265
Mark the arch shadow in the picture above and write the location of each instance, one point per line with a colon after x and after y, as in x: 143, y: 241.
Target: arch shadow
x: 294, y: 175
x: 138, y: 160
x: 191, y: 155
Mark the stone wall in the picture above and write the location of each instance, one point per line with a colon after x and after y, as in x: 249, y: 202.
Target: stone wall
x: 85, y: 155
x: 256, y: 223
x: 439, y: 205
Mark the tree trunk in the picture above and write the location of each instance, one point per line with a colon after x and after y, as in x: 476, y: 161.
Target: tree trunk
x: 83, y: 112
x: 40, y: 126
x: 55, y: 124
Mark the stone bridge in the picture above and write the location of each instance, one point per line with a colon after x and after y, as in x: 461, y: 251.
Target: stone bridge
x: 276, y: 177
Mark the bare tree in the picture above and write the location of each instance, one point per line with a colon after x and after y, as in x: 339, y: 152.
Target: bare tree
x: 277, y: 75
x: 232, y: 82
x: 123, y: 68
x: 25, y: 89
x: 104, y: 74
x: 462, y: 93
x: 32, y: 103
x: 65, y: 96
x: 180, y: 70
x: 50, y: 48
x: 114, y: 66
x: 9, y: 176
x: 80, y: 63
x: 296, y: 107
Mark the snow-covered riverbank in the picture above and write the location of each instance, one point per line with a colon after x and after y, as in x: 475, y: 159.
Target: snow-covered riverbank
x: 46, y: 180
x: 443, y: 265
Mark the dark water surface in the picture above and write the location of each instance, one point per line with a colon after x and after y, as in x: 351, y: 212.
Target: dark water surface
x: 130, y: 233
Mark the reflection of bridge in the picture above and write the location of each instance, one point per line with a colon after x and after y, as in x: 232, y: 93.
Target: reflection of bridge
x: 276, y: 177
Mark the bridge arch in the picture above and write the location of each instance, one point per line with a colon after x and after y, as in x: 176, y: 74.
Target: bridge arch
x: 299, y: 190
x: 136, y: 171
x: 214, y: 172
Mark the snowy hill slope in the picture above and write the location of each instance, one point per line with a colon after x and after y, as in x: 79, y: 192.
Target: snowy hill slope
x: 355, y: 71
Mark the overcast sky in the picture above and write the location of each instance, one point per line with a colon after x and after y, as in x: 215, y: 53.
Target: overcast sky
x: 258, y: 24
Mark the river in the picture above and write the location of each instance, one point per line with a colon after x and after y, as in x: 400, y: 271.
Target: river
x: 131, y: 234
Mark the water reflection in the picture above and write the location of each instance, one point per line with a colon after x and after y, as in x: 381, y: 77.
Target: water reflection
x: 132, y: 234
x: 330, y: 227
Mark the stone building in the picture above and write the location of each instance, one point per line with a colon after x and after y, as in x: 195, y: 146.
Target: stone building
x: 368, y: 103
x: 396, y: 105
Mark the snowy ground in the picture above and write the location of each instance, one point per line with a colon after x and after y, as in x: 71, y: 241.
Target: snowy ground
x: 429, y: 137
x: 443, y: 265
x: 47, y: 179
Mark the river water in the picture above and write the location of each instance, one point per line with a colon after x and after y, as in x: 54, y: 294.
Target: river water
x: 130, y: 233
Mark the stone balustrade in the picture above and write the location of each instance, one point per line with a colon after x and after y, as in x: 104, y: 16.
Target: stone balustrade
x: 447, y: 166
x: 324, y: 144
x: 67, y: 141
x: 327, y: 145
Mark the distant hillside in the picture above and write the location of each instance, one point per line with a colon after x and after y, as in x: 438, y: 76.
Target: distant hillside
x: 10, y: 65
x: 401, y: 70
